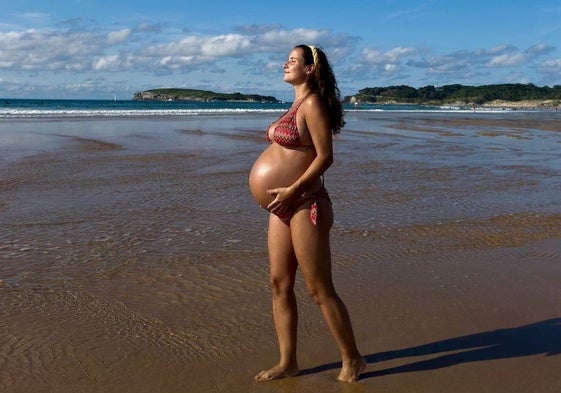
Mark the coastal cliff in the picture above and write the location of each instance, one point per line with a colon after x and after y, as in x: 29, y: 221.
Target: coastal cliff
x: 198, y: 95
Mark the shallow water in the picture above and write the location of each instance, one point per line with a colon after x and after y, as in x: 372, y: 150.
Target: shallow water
x: 130, y: 249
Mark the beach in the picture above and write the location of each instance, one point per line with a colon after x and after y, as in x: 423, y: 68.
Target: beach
x: 133, y: 258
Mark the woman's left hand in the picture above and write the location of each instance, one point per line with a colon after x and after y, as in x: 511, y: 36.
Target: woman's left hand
x: 283, y: 201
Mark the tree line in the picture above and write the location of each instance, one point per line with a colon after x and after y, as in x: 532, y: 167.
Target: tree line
x: 456, y: 94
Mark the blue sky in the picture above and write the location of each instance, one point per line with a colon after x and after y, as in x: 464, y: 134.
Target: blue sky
x: 98, y: 49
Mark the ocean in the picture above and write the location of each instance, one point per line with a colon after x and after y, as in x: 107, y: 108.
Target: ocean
x: 49, y: 108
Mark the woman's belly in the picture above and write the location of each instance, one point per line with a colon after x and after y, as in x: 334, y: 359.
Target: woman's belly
x: 272, y: 169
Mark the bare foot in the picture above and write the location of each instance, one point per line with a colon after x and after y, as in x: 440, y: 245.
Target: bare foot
x: 350, y: 372
x: 277, y: 372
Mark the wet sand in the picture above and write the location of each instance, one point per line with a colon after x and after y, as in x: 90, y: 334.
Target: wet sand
x: 133, y: 259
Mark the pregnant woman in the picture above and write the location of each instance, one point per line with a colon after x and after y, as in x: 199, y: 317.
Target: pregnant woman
x: 287, y: 180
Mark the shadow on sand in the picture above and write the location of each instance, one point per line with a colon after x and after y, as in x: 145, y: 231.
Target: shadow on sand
x: 538, y: 338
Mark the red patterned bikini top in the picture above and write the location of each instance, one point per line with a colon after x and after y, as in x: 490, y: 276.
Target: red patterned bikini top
x: 285, y: 132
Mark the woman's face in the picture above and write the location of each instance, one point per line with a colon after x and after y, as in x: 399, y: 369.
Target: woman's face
x: 294, y: 69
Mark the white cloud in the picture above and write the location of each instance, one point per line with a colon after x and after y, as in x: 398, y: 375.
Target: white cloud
x: 539, y: 49
x: 496, y: 51
x: 507, y: 60
x: 551, y: 66
x: 396, y: 54
x: 503, y: 56
x: 148, y: 28
x: 115, y: 37
x: 390, y: 67
x: 106, y: 63
x: 46, y: 50
x: 280, y: 39
x: 177, y: 62
x: 81, y: 86
x: 271, y: 66
x: 393, y: 56
x: 390, y: 62
x: 225, y: 45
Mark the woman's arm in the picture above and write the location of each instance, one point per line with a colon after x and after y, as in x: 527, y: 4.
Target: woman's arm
x: 317, y: 122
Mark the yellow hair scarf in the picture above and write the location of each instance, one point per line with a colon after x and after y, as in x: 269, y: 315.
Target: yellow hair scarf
x: 314, y: 53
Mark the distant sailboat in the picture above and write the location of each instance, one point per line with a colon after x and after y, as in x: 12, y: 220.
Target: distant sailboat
x: 114, y: 98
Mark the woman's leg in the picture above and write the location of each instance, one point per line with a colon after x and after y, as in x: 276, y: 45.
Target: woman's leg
x: 285, y: 313
x: 312, y: 250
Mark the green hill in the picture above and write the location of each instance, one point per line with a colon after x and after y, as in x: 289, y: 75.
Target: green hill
x: 172, y: 94
x: 457, y: 94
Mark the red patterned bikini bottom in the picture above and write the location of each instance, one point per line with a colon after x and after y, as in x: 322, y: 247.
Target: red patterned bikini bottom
x: 312, y: 199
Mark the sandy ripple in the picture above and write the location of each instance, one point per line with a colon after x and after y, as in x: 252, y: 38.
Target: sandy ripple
x: 69, y: 337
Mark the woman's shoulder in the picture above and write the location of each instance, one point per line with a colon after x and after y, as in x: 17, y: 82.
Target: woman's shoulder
x: 313, y: 104
x: 313, y: 99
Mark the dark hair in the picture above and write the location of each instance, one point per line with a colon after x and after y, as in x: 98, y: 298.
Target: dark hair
x: 324, y: 84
